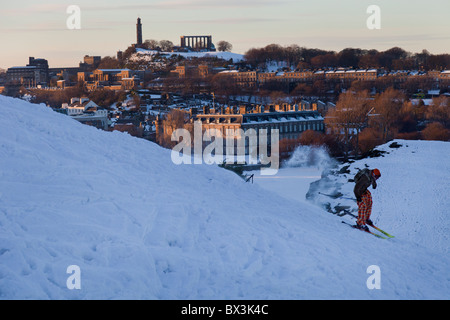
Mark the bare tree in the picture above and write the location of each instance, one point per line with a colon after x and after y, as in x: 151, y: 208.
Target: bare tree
x: 175, y: 119
x: 224, y: 46
x: 150, y: 44
x: 439, y: 111
x: 436, y: 131
x: 388, y: 105
x: 349, y: 117
x: 109, y: 63
x: 166, y: 45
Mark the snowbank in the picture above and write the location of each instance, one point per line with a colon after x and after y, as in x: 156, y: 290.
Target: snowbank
x: 140, y: 227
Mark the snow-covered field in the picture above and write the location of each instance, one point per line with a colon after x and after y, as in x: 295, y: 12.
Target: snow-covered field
x: 140, y: 227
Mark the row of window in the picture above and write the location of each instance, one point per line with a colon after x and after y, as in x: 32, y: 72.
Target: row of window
x: 283, y: 128
x: 292, y: 127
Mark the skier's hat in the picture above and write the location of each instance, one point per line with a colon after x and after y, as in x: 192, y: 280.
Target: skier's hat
x: 376, y: 173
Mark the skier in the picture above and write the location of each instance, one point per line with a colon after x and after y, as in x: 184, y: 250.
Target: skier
x: 363, y: 179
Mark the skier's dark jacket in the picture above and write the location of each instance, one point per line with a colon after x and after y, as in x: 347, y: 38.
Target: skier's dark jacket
x: 363, y: 183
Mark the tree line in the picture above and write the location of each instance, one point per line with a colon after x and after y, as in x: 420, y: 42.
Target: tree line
x: 360, y: 122
x: 306, y: 58
x: 168, y: 46
x: 310, y: 58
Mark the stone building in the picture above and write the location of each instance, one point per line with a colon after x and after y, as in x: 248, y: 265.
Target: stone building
x: 192, y: 71
x: 35, y: 73
x: 245, y: 79
x: 289, y: 120
x: 114, y: 79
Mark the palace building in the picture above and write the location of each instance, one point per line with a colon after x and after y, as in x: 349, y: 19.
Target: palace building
x: 290, y: 121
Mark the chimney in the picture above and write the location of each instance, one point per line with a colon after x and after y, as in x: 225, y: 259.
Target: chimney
x: 193, y: 111
x: 74, y: 100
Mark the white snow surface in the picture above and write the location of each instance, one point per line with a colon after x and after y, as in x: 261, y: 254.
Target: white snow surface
x: 211, y: 54
x: 141, y: 227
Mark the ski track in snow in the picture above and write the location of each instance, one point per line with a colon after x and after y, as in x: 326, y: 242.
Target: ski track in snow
x: 140, y: 227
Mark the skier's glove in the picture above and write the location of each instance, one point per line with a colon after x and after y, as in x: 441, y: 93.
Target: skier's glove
x: 358, y: 199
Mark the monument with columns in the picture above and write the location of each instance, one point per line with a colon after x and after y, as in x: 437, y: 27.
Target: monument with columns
x: 197, y: 42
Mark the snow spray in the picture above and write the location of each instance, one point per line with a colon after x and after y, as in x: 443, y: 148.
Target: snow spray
x: 310, y: 156
x: 252, y: 147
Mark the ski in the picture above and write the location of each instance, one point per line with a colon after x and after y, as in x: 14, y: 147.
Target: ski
x: 375, y: 227
x: 382, y: 231
x: 376, y: 235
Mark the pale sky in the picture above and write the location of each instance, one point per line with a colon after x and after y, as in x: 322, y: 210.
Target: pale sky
x: 29, y: 28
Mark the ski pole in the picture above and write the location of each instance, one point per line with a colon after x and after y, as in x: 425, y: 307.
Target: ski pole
x: 348, y: 198
x: 337, y: 196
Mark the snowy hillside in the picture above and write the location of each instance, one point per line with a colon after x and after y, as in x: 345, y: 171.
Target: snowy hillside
x: 140, y: 227
x: 236, y: 57
x: 412, y: 193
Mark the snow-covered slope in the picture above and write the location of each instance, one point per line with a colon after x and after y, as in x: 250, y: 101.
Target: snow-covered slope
x: 412, y: 193
x: 236, y: 57
x: 140, y: 227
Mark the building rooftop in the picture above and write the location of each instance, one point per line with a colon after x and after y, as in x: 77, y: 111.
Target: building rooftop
x: 113, y: 70
x: 24, y: 67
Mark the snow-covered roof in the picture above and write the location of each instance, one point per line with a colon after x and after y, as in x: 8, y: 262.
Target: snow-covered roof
x: 113, y: 70
x: 24, y: 67
x: 229, y: 71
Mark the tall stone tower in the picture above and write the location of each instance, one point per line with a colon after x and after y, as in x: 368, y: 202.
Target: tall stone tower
x: 139, y: 32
